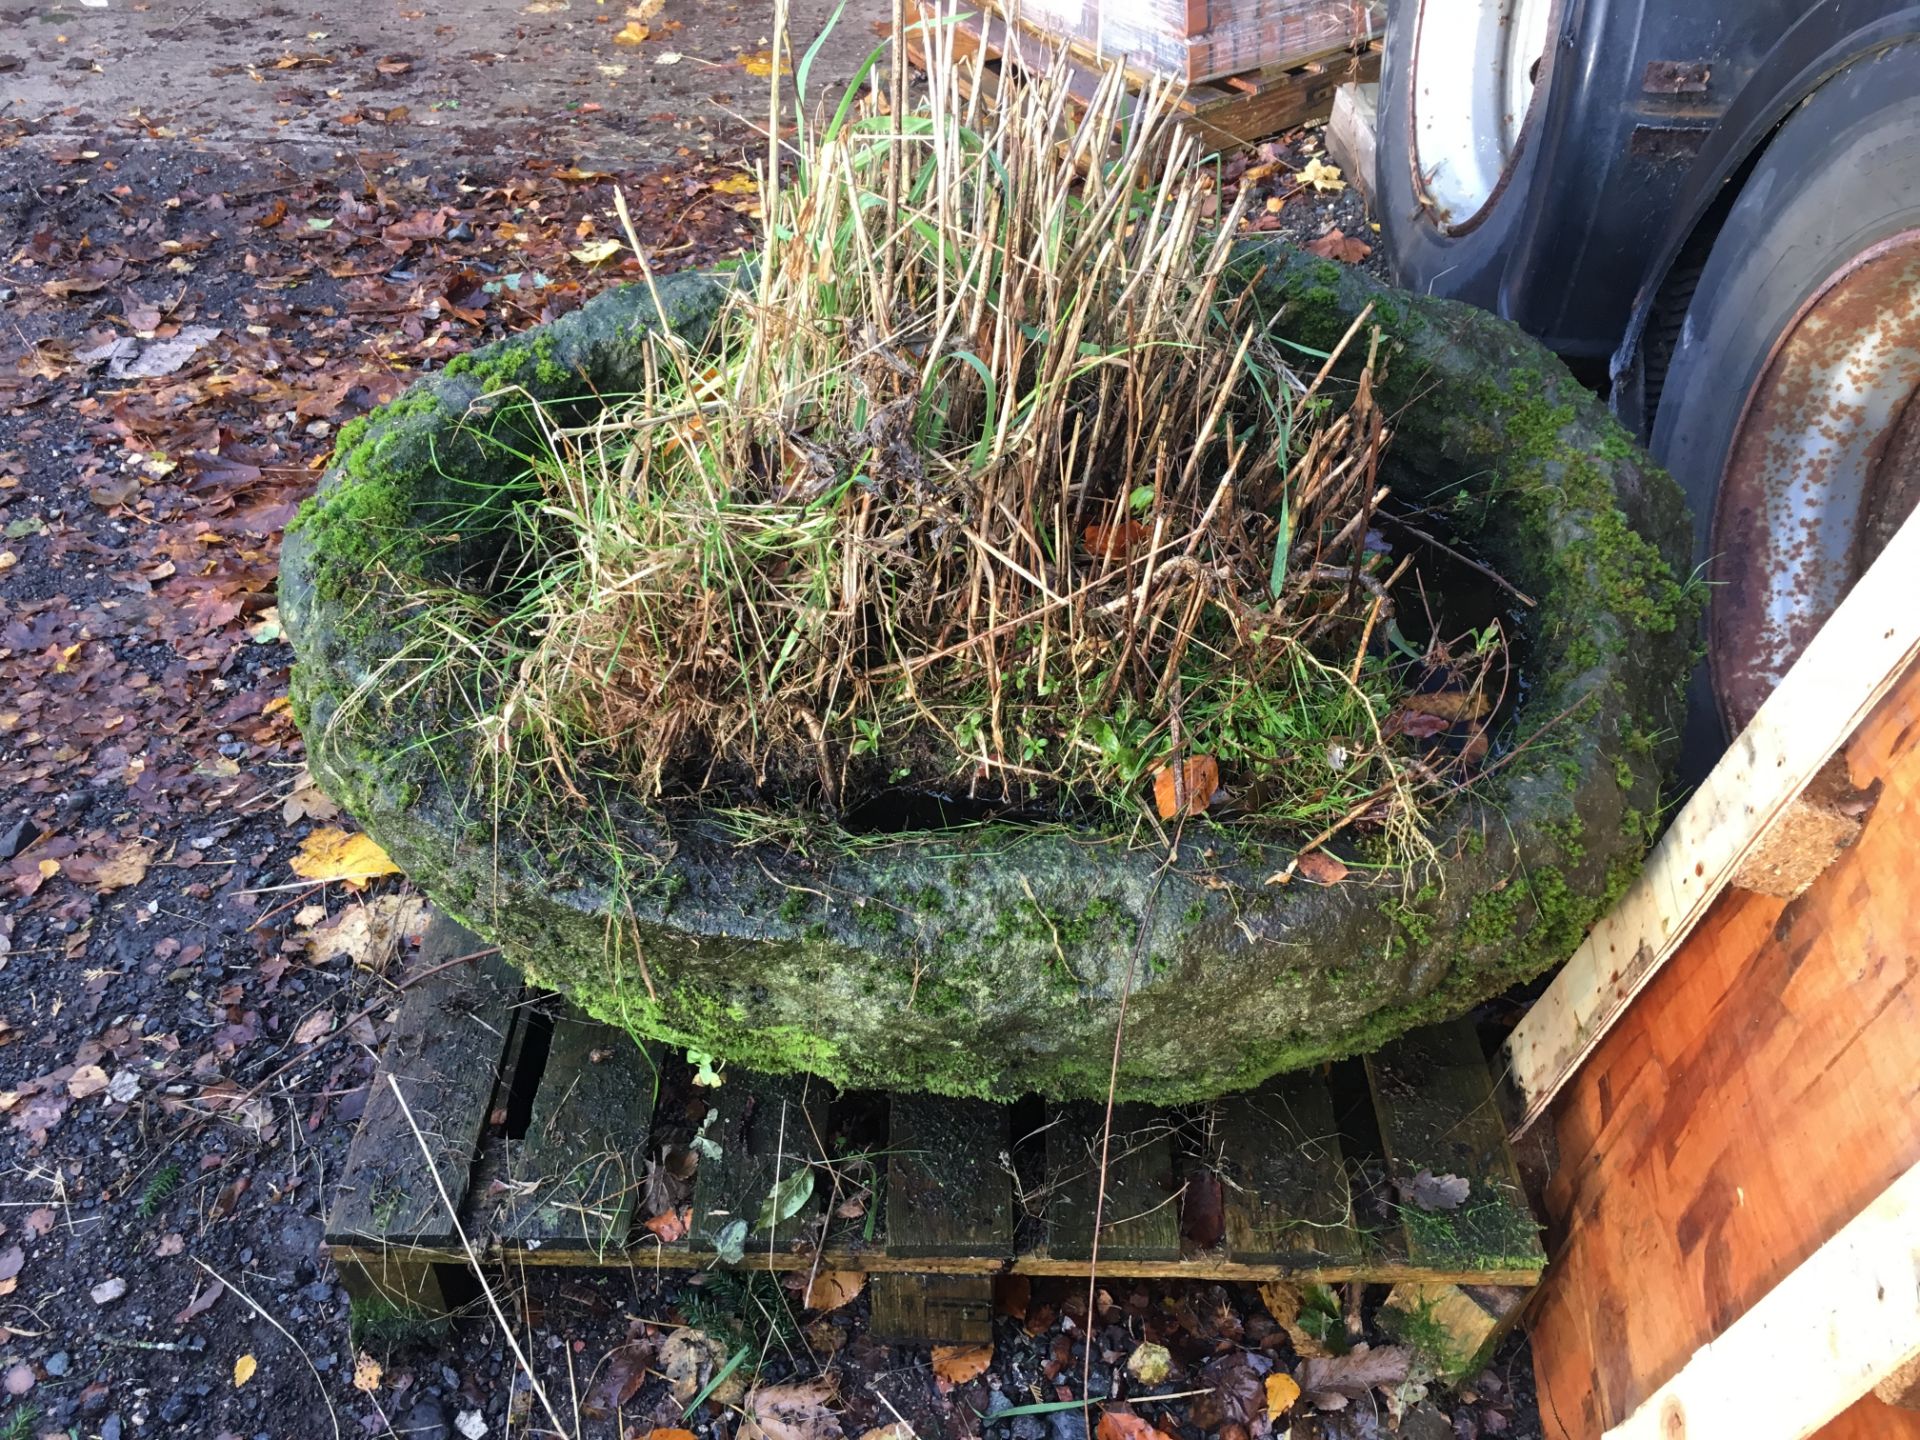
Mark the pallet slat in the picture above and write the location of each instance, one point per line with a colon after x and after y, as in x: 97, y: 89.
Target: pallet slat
x: 1141, y: 1219
x: 947, y: 1194
x: 578, y: 1172
x: 445, y: 1050
x: 1433, y: 1097
x: 765, y: 1126
x: 1284, y: 1194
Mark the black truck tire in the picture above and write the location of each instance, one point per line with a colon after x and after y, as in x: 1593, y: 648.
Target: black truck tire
x: 1464, y: 256
x: 1834, y: 195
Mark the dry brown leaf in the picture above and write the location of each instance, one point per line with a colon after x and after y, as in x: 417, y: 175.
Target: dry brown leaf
x: 319, y: 1023
x: 126, y: 866
x: 1428, y: 1191
x: 1356, y: 1372
x: 367, y: 1372
x: 1449, y: 704
x: 1119, y: 1423
x: 632, y: 33
x: 830, y: 1289
x: 791, y: 1412
x: 620, y: 1379
x: 307, y: 801
x: 689, y: 1358
x: 957, y: 1364
x: 87, y: 1080
x: 333, y: 854
x: 1334, y: 245
x: 1201, y: 774
x: 1320, y: 867
x: 243, y: 1369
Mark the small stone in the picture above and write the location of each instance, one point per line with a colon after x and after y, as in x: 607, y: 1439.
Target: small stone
x: 57, y: 1363
x: 110, y: 1428
x: 16, y: 837
x: 108, y: 1291
x: 471, y: 1424
x: 1150, y: 1364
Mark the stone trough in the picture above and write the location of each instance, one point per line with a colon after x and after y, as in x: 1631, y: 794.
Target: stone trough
x: 991, y: 960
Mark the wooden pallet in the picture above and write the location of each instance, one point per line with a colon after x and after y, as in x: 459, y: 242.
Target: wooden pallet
x: 1234, y: 110
x: 534, y: 1122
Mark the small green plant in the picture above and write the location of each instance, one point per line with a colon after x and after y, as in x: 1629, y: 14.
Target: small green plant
x: 376, y: 1320
x: 158, y: 1189
x: 19, y: 1425
x: 741, y: 1308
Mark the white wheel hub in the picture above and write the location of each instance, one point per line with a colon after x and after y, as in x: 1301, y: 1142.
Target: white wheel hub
x: 1475, y: 68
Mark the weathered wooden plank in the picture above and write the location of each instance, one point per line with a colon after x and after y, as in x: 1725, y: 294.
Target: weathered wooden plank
x: 445, y: 1051
x: 1853, y: 661
x: 576, y: 1175
x: 1141, y: 1219
x: 1284, y: 1192
x: 767, y: 1128
x: 923, y: 1309
x: 948, y: 1191
x: 1843, y: 1320
x: 1758, y: 1094
x: 1434, y: 1100
x: 1371, y: 1268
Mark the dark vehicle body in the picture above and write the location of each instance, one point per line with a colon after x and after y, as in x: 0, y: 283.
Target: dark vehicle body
x: 1652, y: 134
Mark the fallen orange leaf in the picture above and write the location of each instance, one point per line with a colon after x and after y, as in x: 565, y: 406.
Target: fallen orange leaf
x: 1118, y: 1424
x: 830, y: 1289
x: 1320, y: 867
x: 957, y: 1364
x: 1115, y: 542
x: 670, y: 1225
x: 1200, y: 776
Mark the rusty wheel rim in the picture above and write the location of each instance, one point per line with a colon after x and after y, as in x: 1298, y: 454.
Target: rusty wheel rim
x: 1824, y: 465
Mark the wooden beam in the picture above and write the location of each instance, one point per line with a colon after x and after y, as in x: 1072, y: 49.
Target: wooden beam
x: 1846, y: 1319
x: 1853, y: 661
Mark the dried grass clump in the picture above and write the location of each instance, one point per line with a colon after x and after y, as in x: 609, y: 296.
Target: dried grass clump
x: 986, y: 483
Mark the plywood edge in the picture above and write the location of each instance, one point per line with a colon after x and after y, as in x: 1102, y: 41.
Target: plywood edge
x: 1843, y: 1321
x: 1851, y: 664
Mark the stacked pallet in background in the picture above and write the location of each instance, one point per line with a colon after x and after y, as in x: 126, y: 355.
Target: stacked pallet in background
x: 1225, y: 111
x: 1199, y: 40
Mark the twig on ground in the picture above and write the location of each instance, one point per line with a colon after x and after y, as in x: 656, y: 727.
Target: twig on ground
x: 473, y: 1261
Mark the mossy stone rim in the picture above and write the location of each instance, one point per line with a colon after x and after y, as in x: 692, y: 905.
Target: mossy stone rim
x: 991, y: 962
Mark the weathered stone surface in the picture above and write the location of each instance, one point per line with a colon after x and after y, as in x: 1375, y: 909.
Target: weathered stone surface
x: 991, y: 962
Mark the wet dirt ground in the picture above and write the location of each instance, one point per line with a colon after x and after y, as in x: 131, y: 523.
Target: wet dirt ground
x: 225, y: 230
